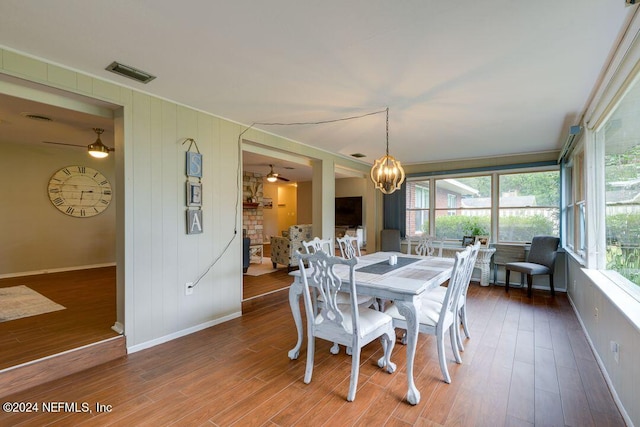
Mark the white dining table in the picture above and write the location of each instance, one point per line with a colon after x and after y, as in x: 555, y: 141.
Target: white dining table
x: 404, y: 283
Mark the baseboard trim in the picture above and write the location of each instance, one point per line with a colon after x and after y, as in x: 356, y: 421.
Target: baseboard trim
x: 56, y: 270
x: 161, y: 340
x: 601, y: 365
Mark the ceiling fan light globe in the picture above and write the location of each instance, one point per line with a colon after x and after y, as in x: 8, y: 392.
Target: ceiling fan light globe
x: 98, y: 150
x: 272, y: 178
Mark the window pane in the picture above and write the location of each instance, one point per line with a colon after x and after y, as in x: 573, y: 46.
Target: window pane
x: 417, y: 207
x: 622, y: 187
x: 463, y: 207
x: 528, y: 205
x: 520, y: 225
x: 570, y: 227
x: 530, y: 189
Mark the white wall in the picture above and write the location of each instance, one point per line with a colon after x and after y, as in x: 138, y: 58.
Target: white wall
x: 155, y: 257
x: 598, y: 303
x: 35, y: 236
x: 270, y: 216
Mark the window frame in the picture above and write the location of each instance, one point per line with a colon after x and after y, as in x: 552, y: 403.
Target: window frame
x: 494, y: 174
x: 596, y: 222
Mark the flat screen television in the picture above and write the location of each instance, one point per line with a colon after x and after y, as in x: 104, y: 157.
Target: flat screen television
x: 349, y: 211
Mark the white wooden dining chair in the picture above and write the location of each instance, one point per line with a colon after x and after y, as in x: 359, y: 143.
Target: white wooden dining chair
x: 350, y: 325
x: 348, y: 246
x: 435, y: 318
x: 438, y: 294
x: 427, y: 246
x: 318, y: 244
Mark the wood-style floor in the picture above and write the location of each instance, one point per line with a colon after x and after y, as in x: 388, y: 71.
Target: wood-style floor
x: 90, y: 300
x: 527, y: 363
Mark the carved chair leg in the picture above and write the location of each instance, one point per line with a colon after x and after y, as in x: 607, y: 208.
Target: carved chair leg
x: 529, y: 285
x: 553, y: 291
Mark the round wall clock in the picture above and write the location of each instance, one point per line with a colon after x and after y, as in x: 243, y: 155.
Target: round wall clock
x: 79, y: 191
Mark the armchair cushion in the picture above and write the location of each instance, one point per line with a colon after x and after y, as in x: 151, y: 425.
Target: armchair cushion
x: 283, y: 249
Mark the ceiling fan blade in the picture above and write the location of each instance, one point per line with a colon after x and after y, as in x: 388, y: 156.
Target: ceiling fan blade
x: 282, y: 178
x: 63, y: 143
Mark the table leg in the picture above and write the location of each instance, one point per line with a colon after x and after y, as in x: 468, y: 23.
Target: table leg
x: 295, y: 291
x: 408, y: 310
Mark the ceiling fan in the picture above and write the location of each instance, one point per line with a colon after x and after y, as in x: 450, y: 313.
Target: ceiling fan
x: 97, y: 149
x: 273, y: 177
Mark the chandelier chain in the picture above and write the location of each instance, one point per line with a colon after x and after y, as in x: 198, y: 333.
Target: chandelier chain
x: 387, y: 131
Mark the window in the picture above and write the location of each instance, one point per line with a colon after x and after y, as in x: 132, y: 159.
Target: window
x: 620, y: 134
x: 417, y: 207
x: 463, y: 207
x: 452, y: 203
x: 575, y: 203
x: 579, y: 210
x: 569, y: 202
x: 528, y: 205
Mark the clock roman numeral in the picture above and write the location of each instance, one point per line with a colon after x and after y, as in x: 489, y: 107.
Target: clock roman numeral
x: 82, y: 212
x: 66, y: 171
x: 82, y: 169
x: 54, y: 190
x: 104, y: 182
x: 70, y: 210
x: 107, y: 192
x: 106, y: 202
x: 58, y: 201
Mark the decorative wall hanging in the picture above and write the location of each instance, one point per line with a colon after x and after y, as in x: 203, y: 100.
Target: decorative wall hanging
x: 194, y: 194
x: 194, y: 221
x: 194, y: 159
x: 79, y: 191
x: 193, y: 188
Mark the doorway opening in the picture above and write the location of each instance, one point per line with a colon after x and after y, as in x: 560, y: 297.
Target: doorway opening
x: 67, y: 259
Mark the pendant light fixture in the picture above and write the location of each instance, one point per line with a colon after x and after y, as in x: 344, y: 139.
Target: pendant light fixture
x: 98, y: 149
x: 387, y: 173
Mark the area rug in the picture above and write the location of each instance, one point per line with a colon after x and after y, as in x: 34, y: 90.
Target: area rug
x: 20, y: 301
x: 260, y: 269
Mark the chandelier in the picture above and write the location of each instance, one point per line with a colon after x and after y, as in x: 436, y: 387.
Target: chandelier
x: 387, y: 173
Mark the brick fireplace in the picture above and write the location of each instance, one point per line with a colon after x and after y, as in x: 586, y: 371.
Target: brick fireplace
x: 252, y: 206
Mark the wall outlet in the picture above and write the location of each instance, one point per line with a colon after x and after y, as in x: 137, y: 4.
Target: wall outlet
x: 188, y: 288
x: 615, y: 349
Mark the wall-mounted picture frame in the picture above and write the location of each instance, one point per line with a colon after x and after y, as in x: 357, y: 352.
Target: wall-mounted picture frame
x: 194, y: 164
x: 194, y: 221
x: 267, y: 202
x: 194, y: 194
x: 484, y: 241
x: 467, y: 240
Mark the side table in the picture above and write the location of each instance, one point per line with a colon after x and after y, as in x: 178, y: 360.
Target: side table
x: 256, y: 251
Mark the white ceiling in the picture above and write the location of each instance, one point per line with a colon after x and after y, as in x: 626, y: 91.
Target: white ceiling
x: 462, y: 79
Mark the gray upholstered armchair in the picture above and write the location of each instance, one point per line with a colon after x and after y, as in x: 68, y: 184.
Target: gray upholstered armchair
x: 283, y: 248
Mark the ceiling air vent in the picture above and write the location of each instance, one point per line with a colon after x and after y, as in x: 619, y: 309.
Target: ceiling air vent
x: 38, y: 117
x: 130, y: 72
